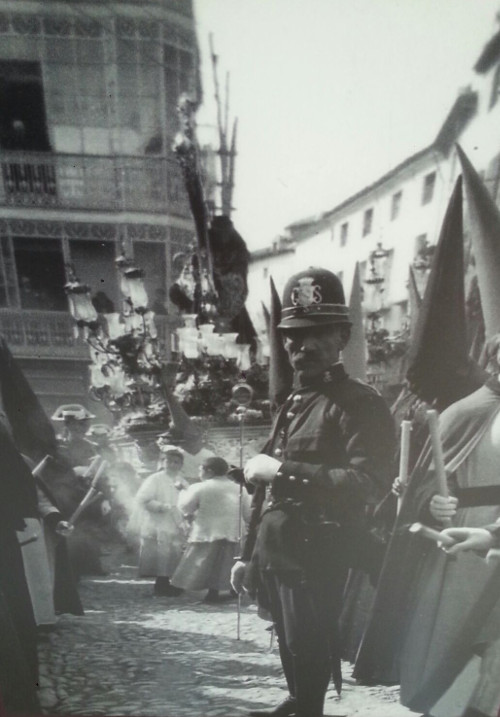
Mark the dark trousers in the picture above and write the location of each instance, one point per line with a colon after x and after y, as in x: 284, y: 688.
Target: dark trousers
x: 305, y: 614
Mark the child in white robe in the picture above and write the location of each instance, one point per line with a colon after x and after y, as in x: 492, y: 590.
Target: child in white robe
x: 214, y: 539
x: 159, y: 522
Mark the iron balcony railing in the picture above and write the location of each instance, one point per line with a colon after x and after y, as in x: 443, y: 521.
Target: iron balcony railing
x: 44, y: 179
x: 50, y: 334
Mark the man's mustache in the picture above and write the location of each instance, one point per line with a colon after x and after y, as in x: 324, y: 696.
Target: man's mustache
x: 303, y: 356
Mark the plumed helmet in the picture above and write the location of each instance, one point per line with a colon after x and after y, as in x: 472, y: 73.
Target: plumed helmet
x: 313, y: 297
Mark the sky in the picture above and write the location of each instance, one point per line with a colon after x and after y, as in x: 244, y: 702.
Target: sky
x: 331, y: 94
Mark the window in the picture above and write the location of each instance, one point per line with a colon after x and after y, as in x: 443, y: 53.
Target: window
x: 420, y: 243
x: 179, y: 78
x: 423, y: 253
x: 396, y: 205
x: 76, y: 85
x: 40, y: 272
x: 8, y: 279
x: 151, y: 258
x: 367, y: 221
x: 23, y: 124
x: 344, y: 231
x: 94, y: 262
x: 495, y: 88
x: 428, y: 188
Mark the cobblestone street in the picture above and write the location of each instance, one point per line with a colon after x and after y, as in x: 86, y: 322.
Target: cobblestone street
x: 135, y: 654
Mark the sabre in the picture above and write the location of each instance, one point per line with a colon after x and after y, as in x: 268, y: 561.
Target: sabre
x: 91, y: 495
x: 431, y: 534
x: 242, y: 393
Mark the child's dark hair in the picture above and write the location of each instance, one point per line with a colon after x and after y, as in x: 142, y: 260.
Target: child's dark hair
x: 216, y: 465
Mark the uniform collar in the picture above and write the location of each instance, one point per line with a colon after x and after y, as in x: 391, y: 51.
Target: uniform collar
x: 335, y: 373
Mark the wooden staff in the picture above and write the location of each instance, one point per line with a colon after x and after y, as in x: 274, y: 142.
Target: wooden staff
x: 36, y: 473
x: 404, y: 459
x: 437, y: 453
x: 38, y: 470
x: 92, y: 494
x: 92, y: 466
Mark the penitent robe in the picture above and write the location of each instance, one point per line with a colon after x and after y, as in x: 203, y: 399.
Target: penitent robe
x: 432, y: 612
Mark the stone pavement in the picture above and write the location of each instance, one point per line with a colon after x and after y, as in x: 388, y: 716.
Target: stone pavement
x: 135, y: 654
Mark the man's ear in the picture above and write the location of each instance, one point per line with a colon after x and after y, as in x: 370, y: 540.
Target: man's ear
x: 345, y: 335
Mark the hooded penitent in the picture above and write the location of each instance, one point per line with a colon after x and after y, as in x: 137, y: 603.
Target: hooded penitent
x: 354, y: 354
x: 280, y: 369
x: 439, y: 369
x: 18, y: 500
x: 31, y: 429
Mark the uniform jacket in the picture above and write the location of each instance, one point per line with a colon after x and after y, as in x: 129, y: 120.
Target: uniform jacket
x: 336, y: 440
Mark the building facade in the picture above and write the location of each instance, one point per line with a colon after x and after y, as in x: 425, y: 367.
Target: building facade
x: 394, y: 223
x: 88, y: 95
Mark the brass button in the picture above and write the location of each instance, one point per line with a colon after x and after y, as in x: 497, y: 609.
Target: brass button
x: 278, y: 452
x: 291, y: 478
x: 305, y: 481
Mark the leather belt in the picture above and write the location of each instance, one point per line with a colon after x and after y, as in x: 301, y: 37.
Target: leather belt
x: 482, y: 495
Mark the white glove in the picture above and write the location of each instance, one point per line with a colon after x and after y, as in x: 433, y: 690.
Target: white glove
x: 261, y: 469
x: 468, y: 539
x: 64, y: 528
x: 238, y: 575
x: 443, y: 508
x: 105, y: 507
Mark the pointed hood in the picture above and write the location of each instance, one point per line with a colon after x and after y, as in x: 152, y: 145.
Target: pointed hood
x: 267, y: 316
x: 438, y: 364
x: 484, y: 219
x: 354, y: 354
x: 280, y: 369
x: 415, y: 302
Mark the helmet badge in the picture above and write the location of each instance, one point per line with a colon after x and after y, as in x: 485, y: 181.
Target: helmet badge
x: 306, y: 293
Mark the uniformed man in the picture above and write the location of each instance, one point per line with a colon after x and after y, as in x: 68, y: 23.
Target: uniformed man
x: 327, y: 459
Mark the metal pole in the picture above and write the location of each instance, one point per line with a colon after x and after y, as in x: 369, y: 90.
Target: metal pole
x: 241, y: 410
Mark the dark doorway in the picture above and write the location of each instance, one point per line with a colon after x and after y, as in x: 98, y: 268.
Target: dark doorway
x: 40, y: 272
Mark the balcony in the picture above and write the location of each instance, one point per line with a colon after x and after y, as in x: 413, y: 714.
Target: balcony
x: 65, y: 181
x: 41, y: 334
x: 49, y: 334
